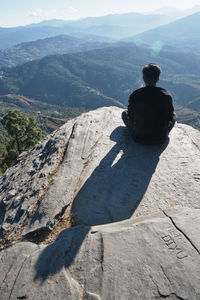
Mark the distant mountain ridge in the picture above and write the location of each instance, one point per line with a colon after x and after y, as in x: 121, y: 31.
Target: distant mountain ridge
x: 125, y: 19
x: 116, y: 26
x: 178, y: 13
x: 13, y: 36
x: 181, y: 34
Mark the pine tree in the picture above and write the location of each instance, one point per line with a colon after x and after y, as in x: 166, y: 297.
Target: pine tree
x: 24, y: 133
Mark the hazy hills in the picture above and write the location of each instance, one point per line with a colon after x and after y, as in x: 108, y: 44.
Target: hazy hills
x: 61, y: 44
x: 182, y: 34
x: 115, y: 26
x: 175, y: 12
x: 13, y: 36
x: 82, y: 35
x: 110, y: 26
x: 137, y: 20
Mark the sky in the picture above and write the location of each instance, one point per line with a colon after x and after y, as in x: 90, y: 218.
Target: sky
x: 22, y: 12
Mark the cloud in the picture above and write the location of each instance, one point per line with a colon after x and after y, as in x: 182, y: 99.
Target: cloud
x: 73, y: 10
x: 37, y: 13
x: 69, y: 12
x: 40, y: 13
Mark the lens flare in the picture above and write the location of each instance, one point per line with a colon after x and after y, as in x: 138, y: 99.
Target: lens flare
x: 156, y: 48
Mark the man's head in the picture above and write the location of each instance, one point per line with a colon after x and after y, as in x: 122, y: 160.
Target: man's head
x: 151, y: 73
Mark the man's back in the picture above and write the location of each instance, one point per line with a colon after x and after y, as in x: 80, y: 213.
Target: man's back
x: 151, y: 109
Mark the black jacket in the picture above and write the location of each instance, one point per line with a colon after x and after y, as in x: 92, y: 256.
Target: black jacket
x: 151, y: 109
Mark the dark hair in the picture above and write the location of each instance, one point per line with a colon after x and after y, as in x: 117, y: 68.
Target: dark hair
x: 151, y: 73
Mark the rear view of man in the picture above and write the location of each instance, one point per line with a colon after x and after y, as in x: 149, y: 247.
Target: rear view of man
x: 150, y: 115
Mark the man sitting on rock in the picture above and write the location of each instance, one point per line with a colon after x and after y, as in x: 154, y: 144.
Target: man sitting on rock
x: 150, y: 115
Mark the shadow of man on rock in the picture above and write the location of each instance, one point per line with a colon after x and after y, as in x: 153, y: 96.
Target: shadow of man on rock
x: 110, y: 194
x: 117, y: 185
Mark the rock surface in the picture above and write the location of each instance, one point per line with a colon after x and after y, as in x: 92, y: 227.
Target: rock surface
x: 93, y: 165
x: 152, y: 258
x: 92, y: 171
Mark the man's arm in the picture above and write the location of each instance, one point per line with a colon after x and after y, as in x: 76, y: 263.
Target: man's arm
x: 131, y: 106
x: 171, y: 109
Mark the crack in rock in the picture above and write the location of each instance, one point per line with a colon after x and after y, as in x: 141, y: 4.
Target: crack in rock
x: 188, y: 239
x: 102, y: 250
x: 17, y: 277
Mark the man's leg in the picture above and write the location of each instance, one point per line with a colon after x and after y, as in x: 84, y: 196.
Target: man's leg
x: 127, y: 121
x: 171, y: 124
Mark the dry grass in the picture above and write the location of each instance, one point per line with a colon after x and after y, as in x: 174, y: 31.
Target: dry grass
x: 43, y: 237
x: 69, y: 220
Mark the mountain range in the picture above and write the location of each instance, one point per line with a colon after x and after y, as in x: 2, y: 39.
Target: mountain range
x: 179, y: 35
x: 13, y: 36
x: 116, y: 26
x: 175, y: 12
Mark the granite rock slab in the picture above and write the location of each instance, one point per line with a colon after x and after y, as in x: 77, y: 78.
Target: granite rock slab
x: 92, y: 167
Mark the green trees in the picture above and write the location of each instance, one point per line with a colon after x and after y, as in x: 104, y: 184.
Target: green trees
x: 23, y: 133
